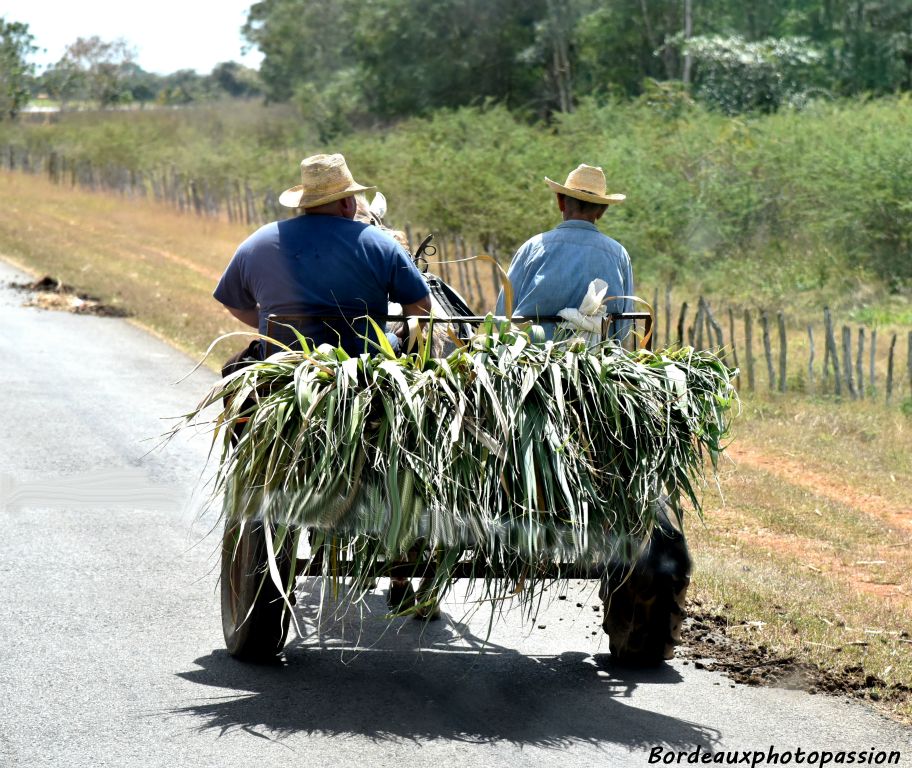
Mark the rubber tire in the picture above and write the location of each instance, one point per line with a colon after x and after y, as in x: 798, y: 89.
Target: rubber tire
x: 255, y: 617
x: 645, y: 607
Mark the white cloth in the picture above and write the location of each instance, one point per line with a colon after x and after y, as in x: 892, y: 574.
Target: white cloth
x: 589, y: 317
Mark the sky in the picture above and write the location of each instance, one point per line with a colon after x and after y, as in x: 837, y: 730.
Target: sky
x: 167, y: 34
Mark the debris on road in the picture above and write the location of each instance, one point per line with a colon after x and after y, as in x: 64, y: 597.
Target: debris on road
x: 52, y: 294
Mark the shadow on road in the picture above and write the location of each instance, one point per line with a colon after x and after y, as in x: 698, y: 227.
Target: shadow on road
x: 402, y: 680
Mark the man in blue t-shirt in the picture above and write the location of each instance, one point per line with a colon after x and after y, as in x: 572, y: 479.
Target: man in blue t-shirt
x: 322, y: 264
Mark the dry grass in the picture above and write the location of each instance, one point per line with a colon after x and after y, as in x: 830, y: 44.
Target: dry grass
x: 156, y: 264
x: 808, y: 544
x: 159, y: 265
x: 809, y: 554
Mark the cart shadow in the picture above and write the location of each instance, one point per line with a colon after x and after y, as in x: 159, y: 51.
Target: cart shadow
x: 405, y: 680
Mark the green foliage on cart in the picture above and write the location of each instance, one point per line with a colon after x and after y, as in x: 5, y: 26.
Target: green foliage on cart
x: 528, y: 454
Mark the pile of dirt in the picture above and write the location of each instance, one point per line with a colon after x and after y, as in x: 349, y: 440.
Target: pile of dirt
x: 709, y: 644
x: 51, y: 294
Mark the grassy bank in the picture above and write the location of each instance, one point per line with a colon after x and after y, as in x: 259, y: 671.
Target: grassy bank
x: 157, y: 265
x: 806, y: 545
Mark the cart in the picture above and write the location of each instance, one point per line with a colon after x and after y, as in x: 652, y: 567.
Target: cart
x: 643, y: 602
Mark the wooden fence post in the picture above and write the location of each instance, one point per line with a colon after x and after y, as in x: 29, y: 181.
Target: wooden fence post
x: 872, y: 381
x: 767, y: 350
x: 452, y: 270
x: 731, y: 339
x: 496, y: 285
x: 810, y: 357
x: 826, y: 349
x: 831, y: 349
x: 909, y: 363
x: 194, y: 200
x: 465, y: 283
x: 847, y: 360
x: 655, y: 317
x: 668, y: 315
x: 473, y: 263
x: 442, y: 257
x: 749, y: 347
x: 697, y: 339
x: 890, y: 369
x: 783, y: 352
x: 229, y: 204
x: 249, y: 204
x: 714, y: 334
x: 681, y: 318
x: 859, y: 363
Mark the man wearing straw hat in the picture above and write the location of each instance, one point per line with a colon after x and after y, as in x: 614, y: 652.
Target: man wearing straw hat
x: 553, y: 270
x: 322, y: 263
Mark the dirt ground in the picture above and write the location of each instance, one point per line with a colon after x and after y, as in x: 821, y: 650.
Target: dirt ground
x: 710, y: 643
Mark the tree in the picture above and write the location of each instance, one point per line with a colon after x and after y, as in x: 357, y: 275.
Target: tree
x: 302, y: 41
x: 420, y: 55
x: 400, y: 56
x: 236, y: 80
x: 735, y: 75
x: 621, y: 43
x: 15, y: 70
x: 391, y: 58
x: 141, y: 86
x: 63, y: 82
x: 554, y: 50
x: 99, y: 68
x: 183, y: 87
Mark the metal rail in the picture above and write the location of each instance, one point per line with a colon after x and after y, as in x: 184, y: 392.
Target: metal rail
x: 291, y: 320
x: 463, y: 570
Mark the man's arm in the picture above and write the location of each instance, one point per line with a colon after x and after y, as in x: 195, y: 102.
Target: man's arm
x: 249, y: 317
x: 421, y: 307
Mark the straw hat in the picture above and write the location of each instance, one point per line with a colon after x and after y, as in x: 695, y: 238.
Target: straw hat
x: 324, y: 179
x: 586, y: 183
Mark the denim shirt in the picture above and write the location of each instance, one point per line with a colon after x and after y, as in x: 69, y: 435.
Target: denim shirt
x: 552, y: 271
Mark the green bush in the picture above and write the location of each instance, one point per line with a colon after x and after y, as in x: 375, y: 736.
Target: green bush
x: 796, y: 204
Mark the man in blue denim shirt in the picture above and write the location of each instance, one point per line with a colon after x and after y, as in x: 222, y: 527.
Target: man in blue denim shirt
x: 552, y: 271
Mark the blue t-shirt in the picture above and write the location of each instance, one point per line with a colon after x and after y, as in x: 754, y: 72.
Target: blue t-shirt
x: 321, y: 265
x: 552, y: 271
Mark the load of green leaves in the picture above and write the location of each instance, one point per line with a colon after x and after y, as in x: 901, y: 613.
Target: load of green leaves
x: 518, y: 455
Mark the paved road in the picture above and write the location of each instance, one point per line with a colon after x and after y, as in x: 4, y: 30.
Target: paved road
x: 112, y: 655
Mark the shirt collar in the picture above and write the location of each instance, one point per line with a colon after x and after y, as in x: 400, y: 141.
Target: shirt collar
x: 577, y: 224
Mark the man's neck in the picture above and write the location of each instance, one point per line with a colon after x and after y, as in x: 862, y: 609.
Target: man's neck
x: 579, y: 217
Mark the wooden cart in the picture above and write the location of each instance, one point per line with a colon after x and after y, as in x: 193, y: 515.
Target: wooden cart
x: 643, y: 604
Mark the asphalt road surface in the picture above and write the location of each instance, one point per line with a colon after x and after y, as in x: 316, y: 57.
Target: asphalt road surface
x: 111, y: 651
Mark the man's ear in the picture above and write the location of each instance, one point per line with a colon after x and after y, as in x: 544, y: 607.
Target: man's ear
x: 348, y: 207
x: 561, y: 202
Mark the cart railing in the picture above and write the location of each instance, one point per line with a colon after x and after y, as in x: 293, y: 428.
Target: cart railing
x: 465, y: 569
x: 276, y: 321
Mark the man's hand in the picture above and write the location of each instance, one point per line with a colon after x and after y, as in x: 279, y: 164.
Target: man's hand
x: 422, y: 307
x: 249, y: 317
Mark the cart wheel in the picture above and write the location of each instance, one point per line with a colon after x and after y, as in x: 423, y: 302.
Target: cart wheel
x: 255, y: 616
x: 644, y: 607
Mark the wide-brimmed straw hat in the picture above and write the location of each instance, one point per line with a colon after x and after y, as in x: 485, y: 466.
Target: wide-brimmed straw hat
x: 324, y: 179
x: 586, y: 183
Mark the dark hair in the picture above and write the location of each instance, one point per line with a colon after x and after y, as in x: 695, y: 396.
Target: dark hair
x: 573, y: 205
